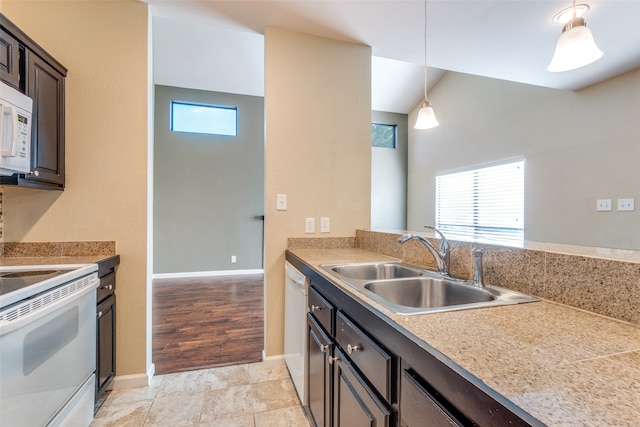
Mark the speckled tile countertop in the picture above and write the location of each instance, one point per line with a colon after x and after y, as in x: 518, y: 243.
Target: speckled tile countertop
x: 55, y: 260
x: 55, y: 253
x: 563, y: 365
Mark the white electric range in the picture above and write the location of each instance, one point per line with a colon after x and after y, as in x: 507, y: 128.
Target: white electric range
x: 47, y: 344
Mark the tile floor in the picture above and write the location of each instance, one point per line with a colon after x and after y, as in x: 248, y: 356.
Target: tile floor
x: 251, y: 395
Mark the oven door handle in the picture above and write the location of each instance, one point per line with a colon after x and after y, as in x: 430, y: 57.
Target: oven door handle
x: 7, y: 326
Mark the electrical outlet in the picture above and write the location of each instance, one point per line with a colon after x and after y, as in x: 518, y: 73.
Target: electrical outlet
x: 603, y: 205
x: 626, y: 205
x: 233, y: 258
x: 309, y: 225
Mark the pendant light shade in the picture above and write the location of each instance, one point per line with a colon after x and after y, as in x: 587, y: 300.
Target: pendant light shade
x: 426, y: 116
x: 576, y: 47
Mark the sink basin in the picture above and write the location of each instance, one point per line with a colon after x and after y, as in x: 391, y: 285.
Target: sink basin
x: 376, y: 270
x: 407, y: 289
x: 428, y: 292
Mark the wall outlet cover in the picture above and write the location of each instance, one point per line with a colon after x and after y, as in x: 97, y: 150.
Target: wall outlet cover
x: 626, y: 205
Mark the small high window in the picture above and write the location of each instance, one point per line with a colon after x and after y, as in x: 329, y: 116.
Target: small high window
x: 207, y: 119
x: 482, y: 203
x: 383, y: 135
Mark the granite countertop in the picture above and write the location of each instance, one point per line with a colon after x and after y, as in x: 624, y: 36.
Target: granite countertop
x: 563, y: 365
x: 51, y: 260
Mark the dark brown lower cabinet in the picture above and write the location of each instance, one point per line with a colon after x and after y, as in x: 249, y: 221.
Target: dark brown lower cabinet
x: 106, y: 326
x: 354, y: 403
x: 419, y: 407
x: 320, y: 373
x: 106, y: 349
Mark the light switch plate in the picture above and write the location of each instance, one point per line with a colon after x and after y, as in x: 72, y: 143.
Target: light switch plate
x: 325, y: 224
x: 309, y: 225
x: 281, y: 202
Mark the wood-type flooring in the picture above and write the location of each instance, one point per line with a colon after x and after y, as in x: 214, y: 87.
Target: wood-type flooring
x: 207, y: 321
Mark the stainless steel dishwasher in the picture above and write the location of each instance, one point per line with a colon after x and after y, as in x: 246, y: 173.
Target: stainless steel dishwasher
x: 295, y: 333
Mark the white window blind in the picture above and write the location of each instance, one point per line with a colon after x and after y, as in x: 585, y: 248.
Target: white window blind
x: 486, y: 203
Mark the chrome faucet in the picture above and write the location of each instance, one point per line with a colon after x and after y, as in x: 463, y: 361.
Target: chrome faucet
x: 441, y: 256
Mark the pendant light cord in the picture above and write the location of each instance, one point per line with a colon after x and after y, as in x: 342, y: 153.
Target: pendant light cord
x: 425, y: 50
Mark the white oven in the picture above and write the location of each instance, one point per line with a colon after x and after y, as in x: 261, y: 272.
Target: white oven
x: 47, y: 345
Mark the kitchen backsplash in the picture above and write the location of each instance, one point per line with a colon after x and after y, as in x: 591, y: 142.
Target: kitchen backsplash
x: 58, y: 249
x: 602, y: 285
x: 54, y: 249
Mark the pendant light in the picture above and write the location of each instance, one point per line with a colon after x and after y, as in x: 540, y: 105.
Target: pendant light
x: 426, y: 116
x: 576, y: 47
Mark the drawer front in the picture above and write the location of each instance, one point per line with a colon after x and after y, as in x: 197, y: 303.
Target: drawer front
x: 374, y: 362
x: 354, y: 404
x: 321, y: 309
x: 107, y: 286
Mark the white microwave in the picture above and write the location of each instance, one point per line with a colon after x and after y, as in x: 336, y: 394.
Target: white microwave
x: 15, y: 131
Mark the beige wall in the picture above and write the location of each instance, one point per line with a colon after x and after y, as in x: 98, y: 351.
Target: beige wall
x: 104, y: 47
x: 578, y: 147
x: 318, y: 149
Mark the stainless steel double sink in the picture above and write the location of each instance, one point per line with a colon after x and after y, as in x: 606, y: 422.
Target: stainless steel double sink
x: 407, y: 289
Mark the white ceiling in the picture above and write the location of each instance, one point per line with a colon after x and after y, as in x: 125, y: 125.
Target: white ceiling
x: 504, y: 39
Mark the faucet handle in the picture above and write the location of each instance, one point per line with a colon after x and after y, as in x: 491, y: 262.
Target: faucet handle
x: 444, y: 243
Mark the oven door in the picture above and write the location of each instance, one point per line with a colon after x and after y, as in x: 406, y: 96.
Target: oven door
x: 46, y: 356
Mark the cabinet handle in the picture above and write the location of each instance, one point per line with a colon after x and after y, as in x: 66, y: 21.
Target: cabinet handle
x: 332, y: 359
x: 324, y: 347
x: 315, y: 308
x: 99, y: 314
x: 109, y: 287
x: 353, y: 348
x: 35, y: 173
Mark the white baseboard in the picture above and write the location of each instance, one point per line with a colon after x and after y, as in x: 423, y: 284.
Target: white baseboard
x: 206, y: 273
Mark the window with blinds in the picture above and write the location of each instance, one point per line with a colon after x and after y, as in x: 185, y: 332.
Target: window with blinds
x: 482, y: 204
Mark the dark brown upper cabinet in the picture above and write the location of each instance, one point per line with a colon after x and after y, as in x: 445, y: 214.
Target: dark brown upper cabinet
x: 29, y: 68
x: 9, y: 58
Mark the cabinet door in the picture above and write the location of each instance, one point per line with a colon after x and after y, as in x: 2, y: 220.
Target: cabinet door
x: 106, y: 344
x: 418, y: 407
x: 355, y: 405
x: 319, y: 376
x: 46, y: 88
x: 9, y: 70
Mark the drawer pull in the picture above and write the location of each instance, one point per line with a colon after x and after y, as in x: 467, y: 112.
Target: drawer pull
x: 324, y: 347
x: 108, y: 287
x: 353, y: 348
x: 315, y: 308
x: 99, y: 314
x: 332, y: 359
